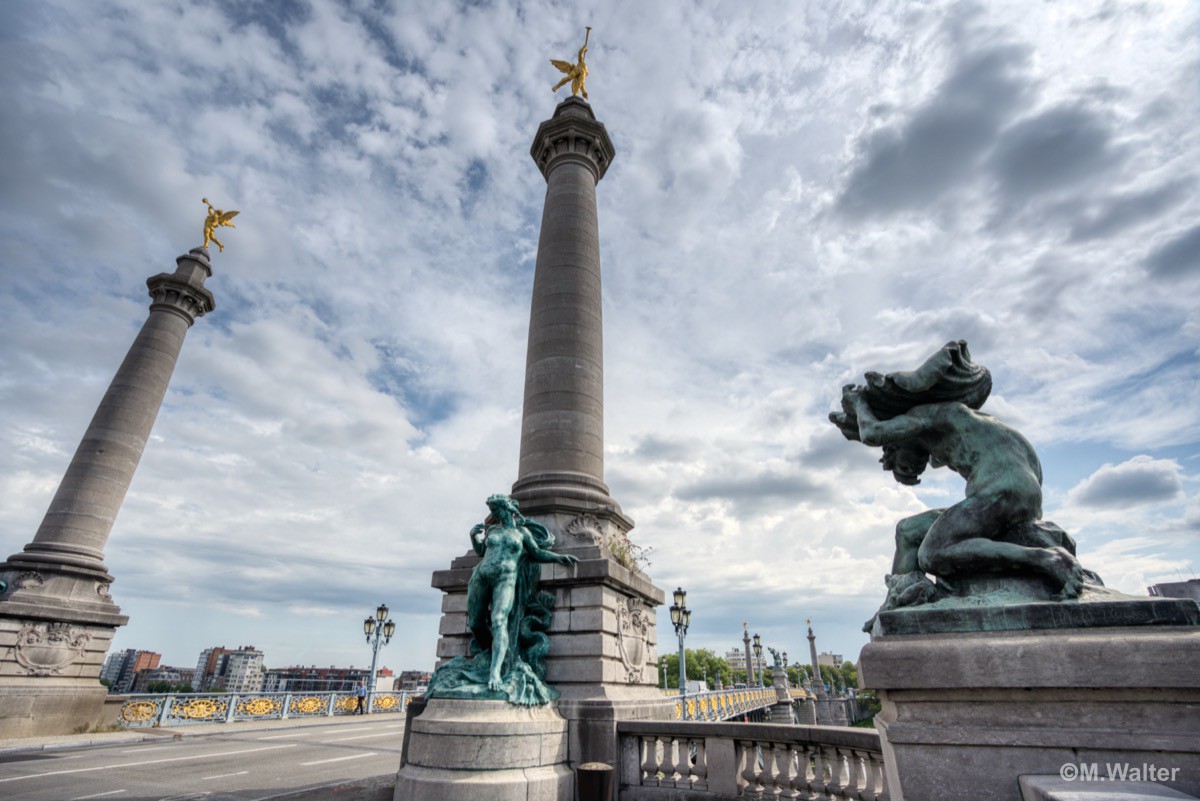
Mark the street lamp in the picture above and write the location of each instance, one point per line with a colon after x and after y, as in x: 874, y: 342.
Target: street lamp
x: 758, y: 658
x: 379, y: 631
x: 681, y: 618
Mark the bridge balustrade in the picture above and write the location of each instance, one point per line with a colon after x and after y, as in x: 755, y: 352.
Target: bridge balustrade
x: 182, y: 709
x: 716, y: 705
x: 666, y: 761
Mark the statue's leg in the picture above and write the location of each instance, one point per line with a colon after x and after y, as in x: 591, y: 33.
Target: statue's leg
x: 503, y: 597
x: 960, y: 542
x: 910, y: 533
x: 559, y: 85
x: 477, y: 611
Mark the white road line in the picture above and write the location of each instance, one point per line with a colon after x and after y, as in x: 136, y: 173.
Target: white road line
x: 147, y: 762
x: 285, y: 736
x: 98, y: 795
x: 224, y: 775
x: 146, y: 748
x: 361, y: 737
x: 338, y: 759
x: 396, y: 726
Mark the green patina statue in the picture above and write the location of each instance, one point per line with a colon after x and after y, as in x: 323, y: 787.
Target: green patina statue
x: 930, y: 416
x: 507, y: 615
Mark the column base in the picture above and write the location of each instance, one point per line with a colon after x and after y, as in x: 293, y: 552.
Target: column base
x: 461, y: 750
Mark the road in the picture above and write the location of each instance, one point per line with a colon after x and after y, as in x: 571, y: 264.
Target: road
x: 246, y: 766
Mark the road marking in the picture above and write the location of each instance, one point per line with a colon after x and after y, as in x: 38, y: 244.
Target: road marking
x: 146, y: 748
x: 285, y: 736
x: 224, y: 775
x: 361, y: 737
x: 147, y: 762
x: 400, y: 725
x: 98, y: 795
x: 338, y: 759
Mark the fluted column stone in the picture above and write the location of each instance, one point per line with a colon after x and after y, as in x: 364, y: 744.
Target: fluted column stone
x: 56, y: 615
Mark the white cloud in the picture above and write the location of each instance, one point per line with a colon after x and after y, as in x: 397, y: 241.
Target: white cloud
x: 1141, y: 480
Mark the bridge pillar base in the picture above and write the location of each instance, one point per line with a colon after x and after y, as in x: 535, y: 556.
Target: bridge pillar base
x: 464, y: 750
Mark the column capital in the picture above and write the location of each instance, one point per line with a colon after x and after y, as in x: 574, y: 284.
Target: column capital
x: 182, y: 292
x: 573, y: 135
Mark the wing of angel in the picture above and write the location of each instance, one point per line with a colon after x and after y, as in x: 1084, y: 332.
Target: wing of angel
x: 563, y: 66
x: 226, y: 217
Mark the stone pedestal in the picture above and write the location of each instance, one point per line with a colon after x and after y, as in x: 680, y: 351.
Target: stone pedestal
x: 56, y: 616
x: 460, y: 750
x: 603, y: 642
x: 967, y: 712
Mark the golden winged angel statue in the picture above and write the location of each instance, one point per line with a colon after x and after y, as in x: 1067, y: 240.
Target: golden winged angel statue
x: 215, y: 219
x: 576, y: 73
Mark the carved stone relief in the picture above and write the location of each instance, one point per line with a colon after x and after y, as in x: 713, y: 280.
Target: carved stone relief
x: 45, y: 649
x: 633, y: 633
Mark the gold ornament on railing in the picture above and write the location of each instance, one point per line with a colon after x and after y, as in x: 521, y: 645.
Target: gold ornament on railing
x: 576, y: 73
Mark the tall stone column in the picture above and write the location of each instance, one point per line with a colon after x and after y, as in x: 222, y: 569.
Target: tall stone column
x: 750, y: 680
x: 603, y: 641
x: 561, y: 469
x: 56, y: 616
x: 819, y: 682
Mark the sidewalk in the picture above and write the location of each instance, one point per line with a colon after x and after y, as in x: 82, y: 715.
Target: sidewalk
x: 179, y: 732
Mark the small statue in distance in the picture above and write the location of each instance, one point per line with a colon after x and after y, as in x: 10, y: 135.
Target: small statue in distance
x: 576, y: 73
x: 216, y: 219
x: 930, y: 416
x: 507, y: 615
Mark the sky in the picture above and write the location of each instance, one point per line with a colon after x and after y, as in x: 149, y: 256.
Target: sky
x: 802, y: 192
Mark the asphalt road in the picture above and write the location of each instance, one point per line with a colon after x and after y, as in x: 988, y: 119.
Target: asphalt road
x: 247, y: 766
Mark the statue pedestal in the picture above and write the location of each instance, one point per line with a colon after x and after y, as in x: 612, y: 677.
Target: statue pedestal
x: 603, y: 644
x: 966, y: 712
x: 460, y: 750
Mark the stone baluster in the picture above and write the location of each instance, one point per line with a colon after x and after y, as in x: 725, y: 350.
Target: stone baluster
x: 820, y: 775
x: 878, y: 778
x: 749, y: 759
x: 700, y: 769
x: 836, y: 784
x: 770, y: 770
x: 649, y: 747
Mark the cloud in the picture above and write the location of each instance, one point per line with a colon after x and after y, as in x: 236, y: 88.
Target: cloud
x: 937, y: 148
x: 1139, y: 481
x: 1177, y: 257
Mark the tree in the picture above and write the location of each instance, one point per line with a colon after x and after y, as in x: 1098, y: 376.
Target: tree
x: 699, y: 663
x: 849, y: 674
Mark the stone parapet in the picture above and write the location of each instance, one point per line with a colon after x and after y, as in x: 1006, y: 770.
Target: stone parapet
x: 965, y: 714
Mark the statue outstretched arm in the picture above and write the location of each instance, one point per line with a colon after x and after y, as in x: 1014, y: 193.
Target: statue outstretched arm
x: 540, y: 554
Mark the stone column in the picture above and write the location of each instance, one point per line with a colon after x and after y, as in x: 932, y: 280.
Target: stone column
x: 750, y: 682
x: 56, y: 616
x: 603, y: 639
x: 819, y: 682
x: 561, y: 467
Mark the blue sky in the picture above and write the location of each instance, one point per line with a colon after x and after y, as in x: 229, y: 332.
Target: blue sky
x: 799, y: 195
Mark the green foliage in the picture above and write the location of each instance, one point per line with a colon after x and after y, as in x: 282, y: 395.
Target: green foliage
x: 700, y: 662
x: 168, y: 687
x: 629, y: 555
x: 849, y: 674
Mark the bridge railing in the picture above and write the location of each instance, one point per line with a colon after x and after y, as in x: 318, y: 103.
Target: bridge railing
x: 181, y: 709
x: 665, y: 761
x: 716, y: 705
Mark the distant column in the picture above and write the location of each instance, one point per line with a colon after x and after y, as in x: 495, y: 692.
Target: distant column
x: 750, y: 681
x: 56, y: 616
x: 818, y: 682
x: 561, y: 465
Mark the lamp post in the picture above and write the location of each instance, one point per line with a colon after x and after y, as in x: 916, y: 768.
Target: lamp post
x: 758, y: 658
x: 379, y: 631
x: 681, y: 618
x: 662, y: 663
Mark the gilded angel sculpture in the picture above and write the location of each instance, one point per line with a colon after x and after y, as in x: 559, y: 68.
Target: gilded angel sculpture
x: 576, y: 73
x: 215, y: 219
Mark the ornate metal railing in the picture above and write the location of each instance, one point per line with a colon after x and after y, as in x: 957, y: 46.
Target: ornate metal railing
x: 748, y: 760
x: 716, y: 705
x: 186, y: 708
